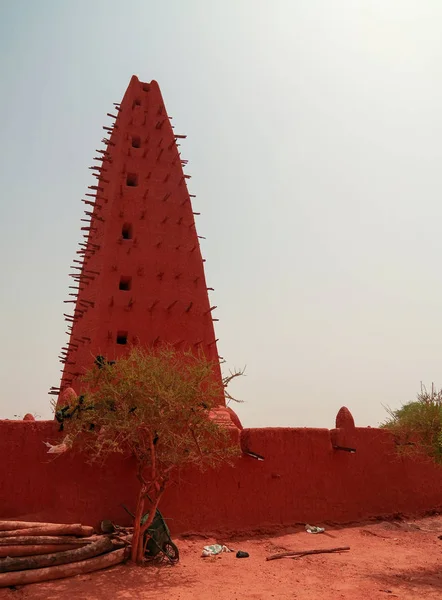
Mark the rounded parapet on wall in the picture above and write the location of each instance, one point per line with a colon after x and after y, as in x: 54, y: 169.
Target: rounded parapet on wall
x: 234, y: 418
x: 225, y: 417
x: 343, y: 436
x: 66, y: 398
x: 344, y: 419
x: 28, y: 417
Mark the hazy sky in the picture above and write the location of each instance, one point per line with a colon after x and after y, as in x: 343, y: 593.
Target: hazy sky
x: 314, y: 145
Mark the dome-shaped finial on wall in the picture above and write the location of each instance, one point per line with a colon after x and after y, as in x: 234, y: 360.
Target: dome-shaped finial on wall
x: 344, y: 419
x: 67, y: 398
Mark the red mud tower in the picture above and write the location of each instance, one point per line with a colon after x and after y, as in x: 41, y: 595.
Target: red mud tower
x: 138, y: 277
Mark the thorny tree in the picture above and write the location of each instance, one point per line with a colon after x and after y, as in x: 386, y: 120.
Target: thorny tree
x: 417, y: 425
x: 154, y: 404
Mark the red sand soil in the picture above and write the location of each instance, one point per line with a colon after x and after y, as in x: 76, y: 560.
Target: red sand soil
x: 400, y: 559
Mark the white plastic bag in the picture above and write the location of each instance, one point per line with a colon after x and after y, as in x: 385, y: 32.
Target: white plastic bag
x: 214, y: 550
x: 59, y: 448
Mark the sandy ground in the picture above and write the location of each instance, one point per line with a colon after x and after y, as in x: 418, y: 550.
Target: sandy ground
x: 400, y: 559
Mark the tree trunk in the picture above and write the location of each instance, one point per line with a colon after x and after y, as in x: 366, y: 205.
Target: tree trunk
x: 145, y: 527
x: 35, y: 540
x: 137, y: 524
x: 61, y: 571
x: 34, y: 550
x: 78, y: 530
x: 57, y: 558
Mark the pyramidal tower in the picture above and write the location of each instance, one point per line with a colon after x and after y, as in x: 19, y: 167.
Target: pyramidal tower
x: 138, y: 276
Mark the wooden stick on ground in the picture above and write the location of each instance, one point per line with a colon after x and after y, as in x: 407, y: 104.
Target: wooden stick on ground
x: 300, y: 553
x: 57, y: 558
x: 78, y: 530
x: 61, y: 571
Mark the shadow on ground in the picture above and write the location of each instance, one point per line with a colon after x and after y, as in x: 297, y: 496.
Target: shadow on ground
x: 118, y: 583
x: 412, y: 578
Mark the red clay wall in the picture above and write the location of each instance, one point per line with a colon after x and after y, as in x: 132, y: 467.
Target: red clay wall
x: 302, y: 479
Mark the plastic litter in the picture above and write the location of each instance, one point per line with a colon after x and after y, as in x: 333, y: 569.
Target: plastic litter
x: 214, y: 549
x: 241, y: 554
x: 314, y: 529
x: 59, y: 448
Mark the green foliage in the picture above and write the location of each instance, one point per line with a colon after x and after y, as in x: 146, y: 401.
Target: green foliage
x: 154, y: 404
x: 417, y: 425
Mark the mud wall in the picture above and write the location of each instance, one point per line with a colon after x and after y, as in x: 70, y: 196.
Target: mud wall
x: 303, y: 478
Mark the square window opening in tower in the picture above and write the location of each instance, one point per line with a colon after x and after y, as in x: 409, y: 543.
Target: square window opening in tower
x: 127, y: 231
x: 125, y: 283
x: 122, y: 337
x: 132, y: 179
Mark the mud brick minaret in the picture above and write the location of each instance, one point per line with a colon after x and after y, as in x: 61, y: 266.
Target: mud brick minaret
x: 138, y: 277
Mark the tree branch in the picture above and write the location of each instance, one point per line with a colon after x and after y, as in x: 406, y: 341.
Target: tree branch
x: 300, y: 553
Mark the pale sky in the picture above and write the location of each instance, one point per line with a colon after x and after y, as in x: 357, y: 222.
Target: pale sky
x: 314, y: 145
